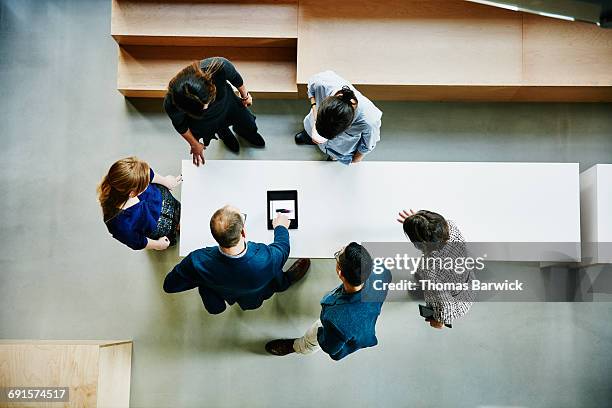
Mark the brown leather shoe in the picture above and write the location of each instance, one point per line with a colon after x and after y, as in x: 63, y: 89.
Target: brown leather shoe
x: 298, y: 269
x: 280, y: 347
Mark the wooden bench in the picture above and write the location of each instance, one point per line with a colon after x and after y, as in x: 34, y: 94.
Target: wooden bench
x: 144, y: 71
x: 269, y: 23
x: 158, y: 38
x: 96, y: 373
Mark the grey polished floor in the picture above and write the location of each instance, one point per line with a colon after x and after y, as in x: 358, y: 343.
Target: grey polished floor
x: 62, y: 276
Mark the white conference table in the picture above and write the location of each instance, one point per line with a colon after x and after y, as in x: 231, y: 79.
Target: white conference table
x: 489, y: 202
x: 596, y: 216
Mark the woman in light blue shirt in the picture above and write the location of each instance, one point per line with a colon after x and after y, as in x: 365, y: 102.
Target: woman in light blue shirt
x: 342, y: 122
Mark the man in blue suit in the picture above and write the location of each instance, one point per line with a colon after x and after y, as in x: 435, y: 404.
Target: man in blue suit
x: 348, y: 313
x: 237, y: 271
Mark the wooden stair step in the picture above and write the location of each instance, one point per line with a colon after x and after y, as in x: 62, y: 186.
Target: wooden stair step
x: 144, y: 71
x: 269, y: 23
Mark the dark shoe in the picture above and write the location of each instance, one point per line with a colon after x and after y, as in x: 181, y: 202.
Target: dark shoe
x: 255, y: 139
x: 280, y: 347
x: 298, y: 269
x: 229, y: 139
x: 302, y: 138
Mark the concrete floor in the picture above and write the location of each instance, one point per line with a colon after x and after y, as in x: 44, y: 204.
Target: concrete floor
x: 62, y: 276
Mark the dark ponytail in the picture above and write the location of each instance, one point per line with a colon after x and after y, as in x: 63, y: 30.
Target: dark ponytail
x: 336, y: 113
x: 427, y: 230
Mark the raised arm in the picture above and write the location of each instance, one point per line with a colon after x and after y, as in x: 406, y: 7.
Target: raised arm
x: 280, y: 248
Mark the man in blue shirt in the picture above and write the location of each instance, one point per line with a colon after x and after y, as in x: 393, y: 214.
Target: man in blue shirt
x: 348, y: 313
x: 237, y: 271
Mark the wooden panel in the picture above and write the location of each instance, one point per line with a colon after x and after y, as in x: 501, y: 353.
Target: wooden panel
x: 438, y: 93
x: 414, y: 42
x: 558, y: 52
x: 64, y: 342
x: 453, y: 93
x: 45, y: 365
x: 563, y: 94
x: 206, y: 41
x: 115, y: 373
x: 268, y: 19
x: 145, y: 70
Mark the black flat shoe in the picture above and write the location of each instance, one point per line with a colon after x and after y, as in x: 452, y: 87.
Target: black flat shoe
x: 229, y: 140
x: 254, y: 139
x: 280, y: 347
x: 302, y: 138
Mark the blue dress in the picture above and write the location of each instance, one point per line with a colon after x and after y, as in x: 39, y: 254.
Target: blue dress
x: 133, y: 225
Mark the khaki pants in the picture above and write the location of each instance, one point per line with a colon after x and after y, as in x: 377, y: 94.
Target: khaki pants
x: 308, y: 343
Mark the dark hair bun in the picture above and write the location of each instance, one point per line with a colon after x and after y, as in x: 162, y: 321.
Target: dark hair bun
x: 346, y: 94
x: 427, y: 230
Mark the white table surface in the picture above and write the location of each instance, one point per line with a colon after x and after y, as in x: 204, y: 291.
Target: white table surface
x: 489, y: 202
x: 596, y: 213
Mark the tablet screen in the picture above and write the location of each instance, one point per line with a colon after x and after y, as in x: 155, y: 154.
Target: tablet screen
x: 286, y: 207
x: 283, y: 202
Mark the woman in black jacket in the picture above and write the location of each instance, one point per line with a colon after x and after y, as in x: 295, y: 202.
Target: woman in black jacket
x: 201, y: 103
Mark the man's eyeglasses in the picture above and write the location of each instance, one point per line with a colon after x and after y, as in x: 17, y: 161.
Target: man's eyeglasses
x: 337, y: 255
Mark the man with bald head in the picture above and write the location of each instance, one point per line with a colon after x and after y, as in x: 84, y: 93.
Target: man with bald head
x: 237, y: 271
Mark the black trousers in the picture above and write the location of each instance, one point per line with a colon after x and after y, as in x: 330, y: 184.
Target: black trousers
x: 236, y: 115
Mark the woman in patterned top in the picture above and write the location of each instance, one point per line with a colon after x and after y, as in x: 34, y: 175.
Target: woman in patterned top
x: 439, y: 239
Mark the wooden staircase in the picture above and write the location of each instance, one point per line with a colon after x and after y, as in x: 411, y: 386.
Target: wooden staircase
x: 158, y: 38
x: 391, y: 49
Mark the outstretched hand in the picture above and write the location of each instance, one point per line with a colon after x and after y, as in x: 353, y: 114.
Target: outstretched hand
x: 281, y: 219
x: 405, y: 214
x: 173, y: 181
x: 197, y: 153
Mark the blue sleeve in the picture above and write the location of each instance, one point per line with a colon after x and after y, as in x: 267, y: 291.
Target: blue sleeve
x: 331, y: 340
x: 280, y: 248
x: 213, y: 303
x: 178, y: 117
x: 181, y: 277
x: 369, y: 138
x: 151, y: 175
x: 133, y: 239
x: 313, y: 84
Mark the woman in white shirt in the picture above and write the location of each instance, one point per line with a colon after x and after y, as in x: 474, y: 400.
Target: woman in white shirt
x: 342, y: 122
